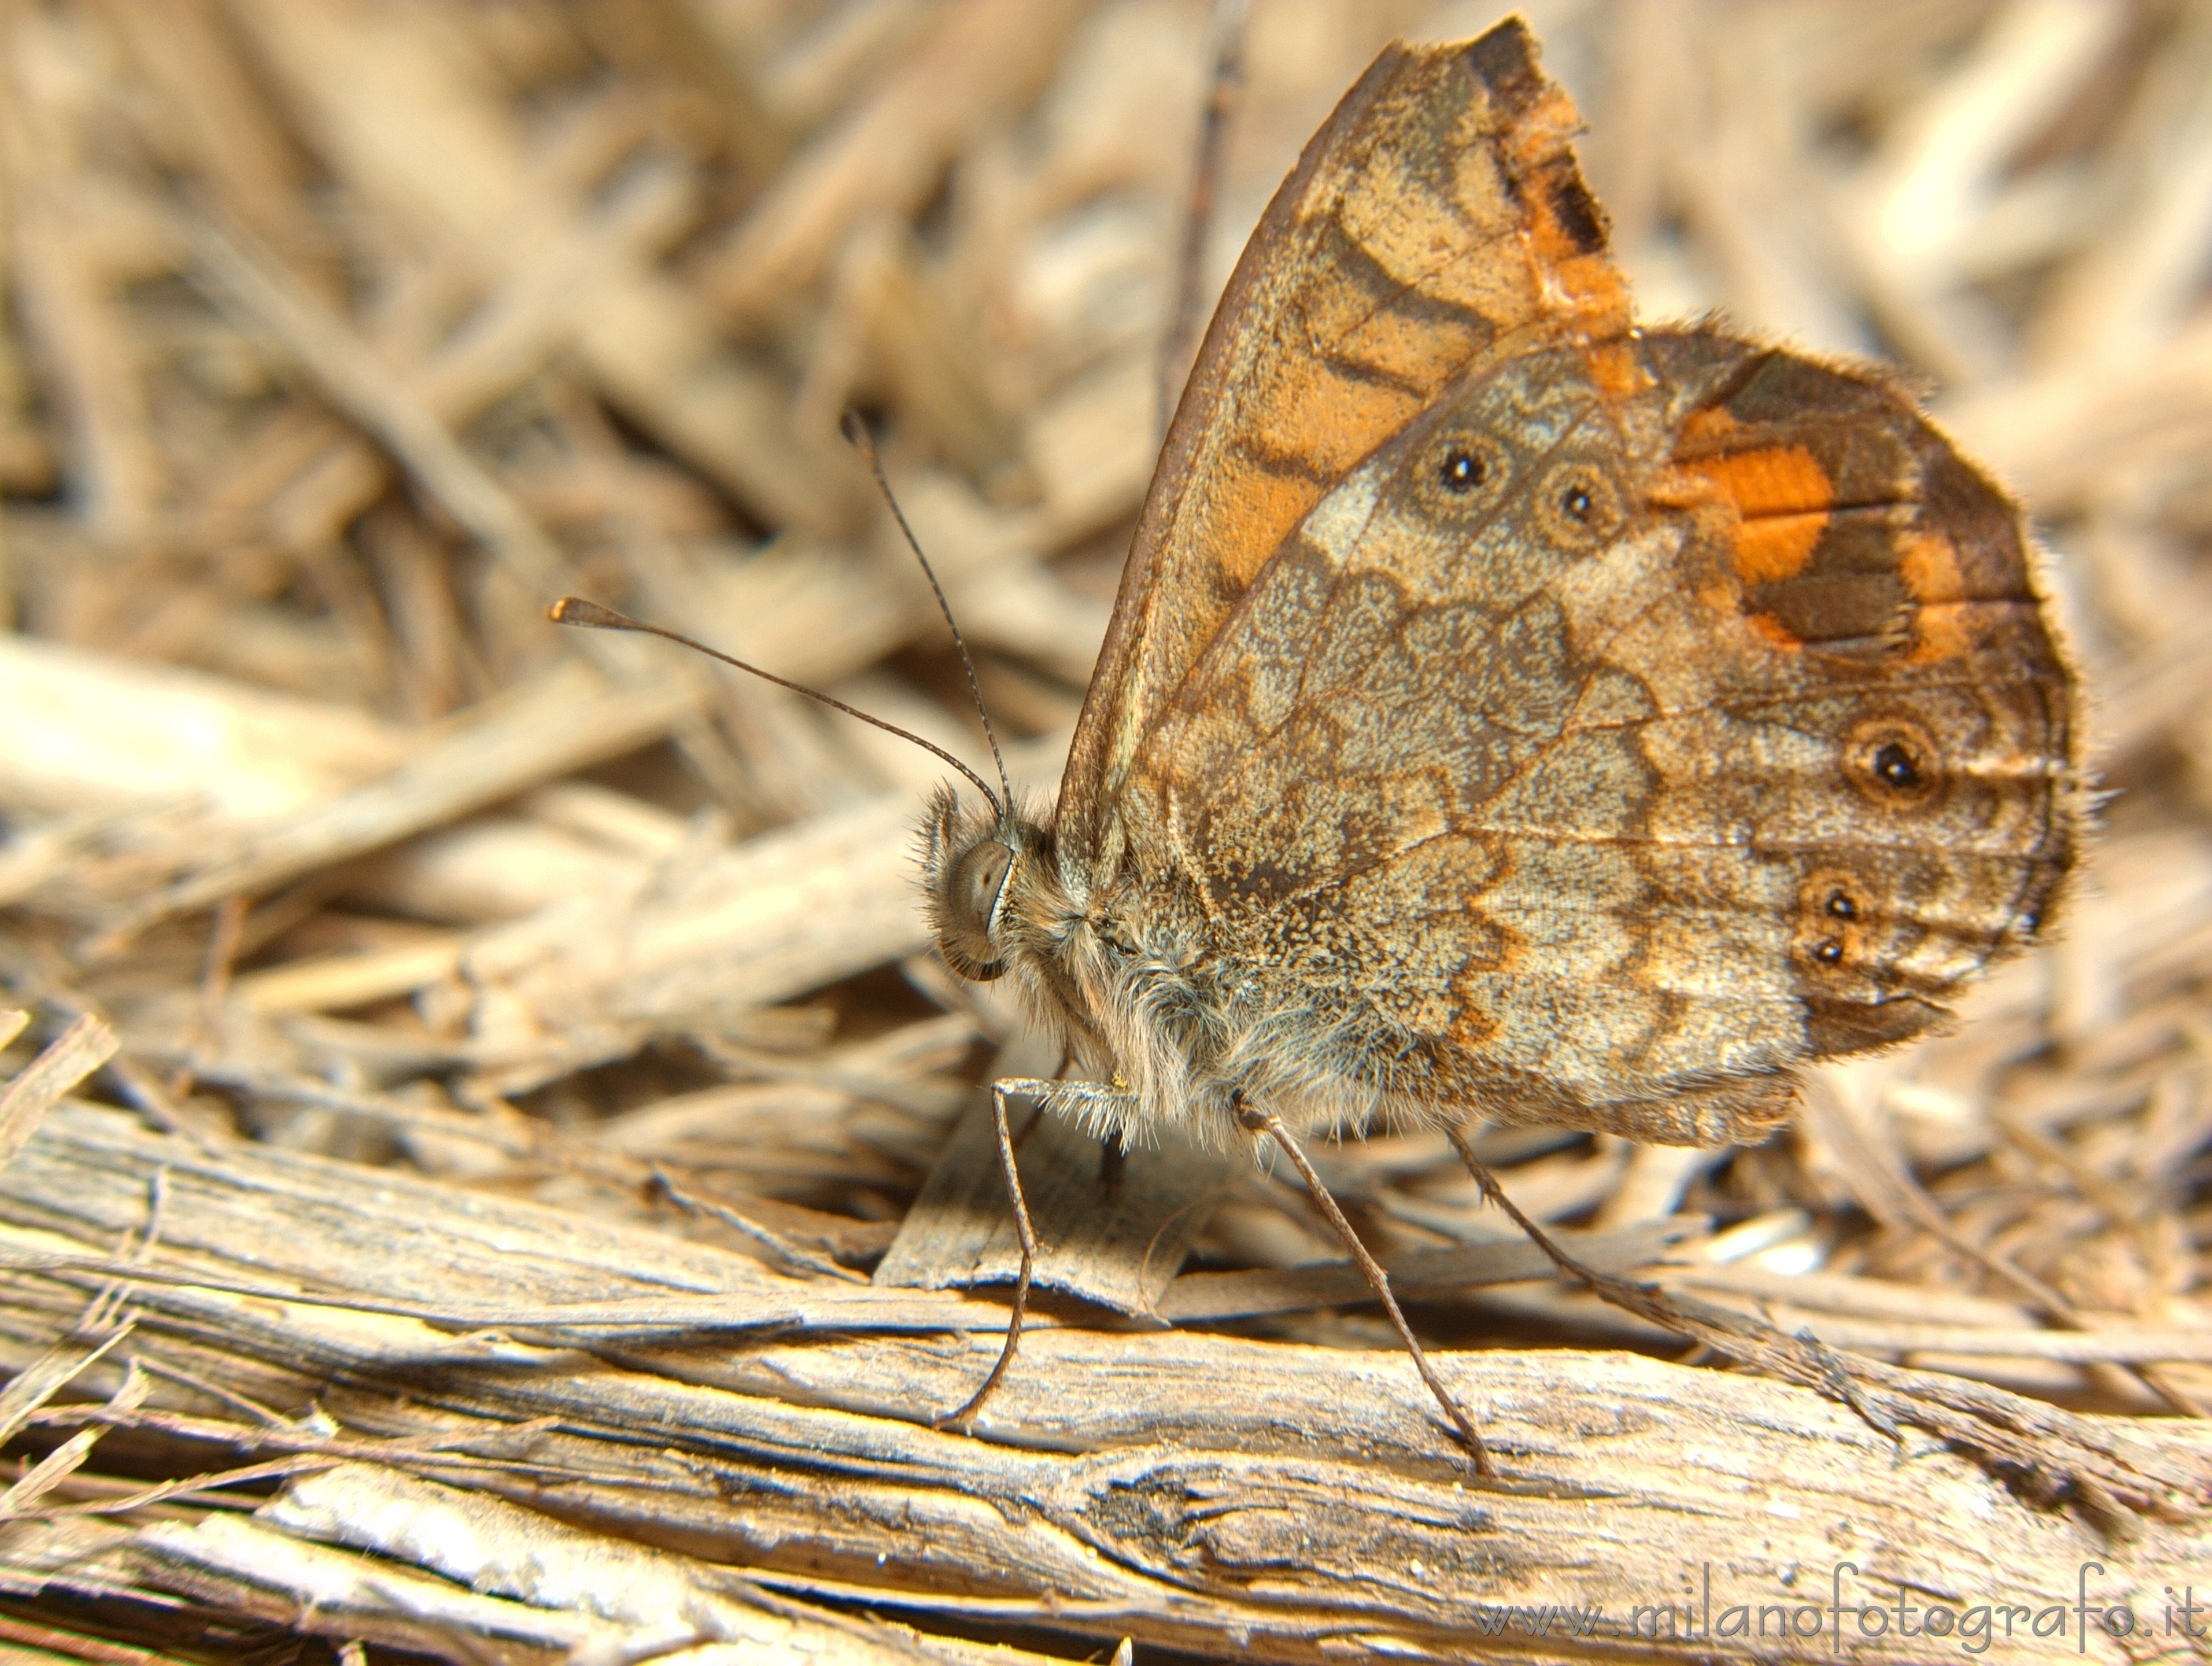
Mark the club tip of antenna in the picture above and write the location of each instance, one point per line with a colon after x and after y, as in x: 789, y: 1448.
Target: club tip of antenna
x: 575, y: 611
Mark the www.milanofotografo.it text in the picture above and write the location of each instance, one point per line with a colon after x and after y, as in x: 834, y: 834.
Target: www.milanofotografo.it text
x: 1854, y: 1618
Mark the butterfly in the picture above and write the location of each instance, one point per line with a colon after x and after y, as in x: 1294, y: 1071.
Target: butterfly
x: 1509, y: 712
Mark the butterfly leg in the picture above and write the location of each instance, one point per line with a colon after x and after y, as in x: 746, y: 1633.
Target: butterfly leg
x: 1023, y: 1230
x: 1267, y: 1123
x: 1493, y: 1192
x: 1646, y: 1301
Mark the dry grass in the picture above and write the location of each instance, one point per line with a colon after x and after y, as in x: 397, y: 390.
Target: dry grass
x: 558, y: 1010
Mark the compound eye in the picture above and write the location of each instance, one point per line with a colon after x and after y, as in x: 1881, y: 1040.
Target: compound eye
x: 982, y: 876
x: 972, y: 895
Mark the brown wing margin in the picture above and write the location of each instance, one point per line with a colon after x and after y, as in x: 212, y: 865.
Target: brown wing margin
x: 1438, y: 211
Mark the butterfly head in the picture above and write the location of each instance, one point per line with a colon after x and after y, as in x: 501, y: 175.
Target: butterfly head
x: 984, y: 873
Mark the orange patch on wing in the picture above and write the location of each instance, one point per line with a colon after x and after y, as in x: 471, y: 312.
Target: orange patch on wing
x: 1326, y: 420
x: 1942, y: 630
x: 1775, y: 546
x: 1250, y: 513
x: 1772, y: 631
x: 1929, y: 564
x: 1775, y: 480
x: 1618, y: 373
x: 1585, y: 286
x: 1781, y: 496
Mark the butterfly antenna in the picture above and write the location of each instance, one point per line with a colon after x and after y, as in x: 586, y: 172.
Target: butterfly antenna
x: 857, y: 435
x: 590, y: 616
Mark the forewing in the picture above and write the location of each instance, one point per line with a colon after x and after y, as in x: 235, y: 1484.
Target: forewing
x: 1439, y: 216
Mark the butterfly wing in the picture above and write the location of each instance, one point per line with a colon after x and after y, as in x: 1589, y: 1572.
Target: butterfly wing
x: 1437, y: 213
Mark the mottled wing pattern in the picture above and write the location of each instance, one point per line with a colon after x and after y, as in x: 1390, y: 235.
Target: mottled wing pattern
x: 1612, y: 753
x: 1438, y: 213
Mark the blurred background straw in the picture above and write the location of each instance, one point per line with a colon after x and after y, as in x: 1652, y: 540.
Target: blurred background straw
x: 337, y: 338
